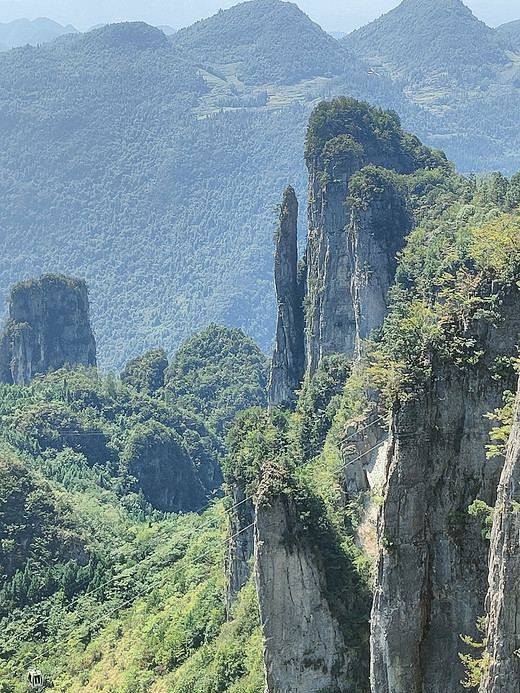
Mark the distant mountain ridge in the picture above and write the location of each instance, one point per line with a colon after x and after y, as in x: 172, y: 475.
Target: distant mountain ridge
x: 150, y: 165
x: 275, y: 42
x: 21, y: 32
x: 510, y: 33
x: 427, y: 38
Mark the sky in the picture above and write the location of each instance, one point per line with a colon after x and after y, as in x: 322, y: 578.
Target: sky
x: 332, y: 15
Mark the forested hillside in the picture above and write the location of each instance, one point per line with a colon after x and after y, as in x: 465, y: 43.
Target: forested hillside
x: 435, y: 41
x: 510, y: 33
x: 93, y: 473
x: 151, y: 166
x: 306, y: 50
x: 458, y: 70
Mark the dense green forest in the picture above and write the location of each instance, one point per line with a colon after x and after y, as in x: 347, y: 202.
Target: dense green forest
x: 151, y: 166
x: 510, y: 32
x: 307, y: 50
x: 91, y: 468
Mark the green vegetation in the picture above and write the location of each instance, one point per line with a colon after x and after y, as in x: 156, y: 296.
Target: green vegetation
x: 216, y: 374
x: 156, y: 620
x: 335, y: 125
x: 146, y: 373
x: 101, y: 583
x: 298, y: 455
x: 475, y: 667
x: 466, y: 240
x: 469, y: 48
x: 456, y: 69
x: 159, y: 190
x: 307, y: 49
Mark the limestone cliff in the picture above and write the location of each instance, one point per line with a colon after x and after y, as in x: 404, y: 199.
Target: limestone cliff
x: 432, y: 569
x: 502, y: 663
x: 357, y: 222
x: 240, y: 546
x: 48, y: 326
x: 304, y: 648
x: 287, y: 364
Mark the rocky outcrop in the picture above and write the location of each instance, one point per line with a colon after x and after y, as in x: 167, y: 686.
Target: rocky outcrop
x: 48, y: 326
x: 432, y: 570
x: 240, y: 545
x: 357, y: 222
x: 362, y: 453
x: 287, y: 364
x: 501, y: 670
x: 364, y: 450
x: 304, y: 649
x: 165, y: 473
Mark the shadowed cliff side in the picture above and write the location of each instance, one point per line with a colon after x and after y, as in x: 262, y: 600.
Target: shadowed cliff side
x: 48, y: 326
x: 501, y: 670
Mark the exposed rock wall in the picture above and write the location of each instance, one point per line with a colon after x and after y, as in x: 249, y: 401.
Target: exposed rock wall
x: 304, y: 650
x: 48, y: 326
x: 432, y: 570
x: 287, y: 364
x: 239, y: 551
x: 351, y: 252
x: 364, y: 450
x: 502, y: 669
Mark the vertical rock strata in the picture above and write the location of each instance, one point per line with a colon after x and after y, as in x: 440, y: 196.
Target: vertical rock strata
x: 502, y: 661
x: 304, y: 650
x: 357, y: 219
x: 48, y: 326
x: 287, y: 364
x: 240, y: 545
x: 432, y: 571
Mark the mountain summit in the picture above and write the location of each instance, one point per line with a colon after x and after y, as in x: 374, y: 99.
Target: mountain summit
x: 428, y: 39
x: 274, y: 41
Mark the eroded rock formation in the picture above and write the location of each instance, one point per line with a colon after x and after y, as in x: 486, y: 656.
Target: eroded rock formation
x: 304, y: 649
x: 48, y: 326
x: 357, y: 221
x: 240, y: 546
x: 501, y: 670
x: 287, y: 364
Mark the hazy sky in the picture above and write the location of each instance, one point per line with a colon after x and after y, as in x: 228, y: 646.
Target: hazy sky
x: 332, y: 15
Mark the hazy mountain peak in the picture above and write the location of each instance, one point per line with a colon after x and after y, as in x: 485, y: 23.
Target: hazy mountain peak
x: 431, y: 36
x: 134, y: 35
x: 21, y: 32
x: 510, y: 33
x: 274, y: 40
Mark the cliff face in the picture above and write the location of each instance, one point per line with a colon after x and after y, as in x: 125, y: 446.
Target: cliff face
x: 48, y: 326
x: 304, y: 650
x: 357, y: 222
x: 432, y: 569
x: 240, y: 546
x: 287, y: 364
x: 502, y: 668
x: 358, y: 217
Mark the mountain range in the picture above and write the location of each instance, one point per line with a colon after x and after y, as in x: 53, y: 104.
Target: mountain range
x: 24, y: 31
x: 151, y: 165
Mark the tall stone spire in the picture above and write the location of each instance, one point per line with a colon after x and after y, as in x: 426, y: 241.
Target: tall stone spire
x: 288, y: 356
